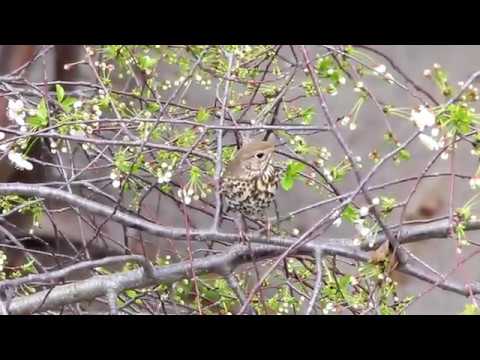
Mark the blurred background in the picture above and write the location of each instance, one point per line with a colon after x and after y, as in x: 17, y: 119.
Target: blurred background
x: 430, y: 201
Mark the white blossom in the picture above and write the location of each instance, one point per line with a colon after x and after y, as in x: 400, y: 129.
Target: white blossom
x: 16, y: 111
x: 362, y: 229
x: 116, y: 183
x: 77, y: 104
x: 164, y: 177
x: 422, y: 117
x: 475, y: 183
x: 389, y: 78
x: 327, y: 174
x: 345, y: 120
x: 376, y: 201
x: 15, y: 105
x: 19, y: 161
x: 435, y: 131
x: 380, y: 69
x: 429, y: 142
x: 358, y: 87
x: 183, y: 195
x: 364, y: 211
x: 77, y: 132
x: 337, y: 222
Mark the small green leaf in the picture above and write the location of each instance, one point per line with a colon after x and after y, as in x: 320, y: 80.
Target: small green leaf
x: 37, y: 122
x: 404, y: 154
x: 287, y: 183
x: 202, y: 115
x: 60, y: 93
x: 387, y: 204
x: 42, y: 110
x: 470, y: 309
x: 294, y: 168
x: 308, y: 115
x: 153, y: 107
x: 67, y: 103
x: 350, y: 214
x: 146, y: 62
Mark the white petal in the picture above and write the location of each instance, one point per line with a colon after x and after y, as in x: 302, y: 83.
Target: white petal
x: 423, y: 117
x: 429, y: 142
x: 380, y: 69
x: 27, y: 165
x: 363, y: 211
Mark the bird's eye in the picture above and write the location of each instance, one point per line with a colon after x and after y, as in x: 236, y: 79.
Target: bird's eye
x: 259, y: 155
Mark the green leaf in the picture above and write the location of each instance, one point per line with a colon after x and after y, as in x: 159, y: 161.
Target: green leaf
x: 308, y: 115
x: 123, y: 163
x: 323, y: 65
x: 153, y: 107
x: 42, y: 110
x: 294, y: 168
x: 350, y: 214
x: 146, y: 62
x: 202, y: 115
x: 67, y: 103
x: 287, y: 183
x: 131, y: 293
x: 60, y: 92
x: 404, y: 154
x: 37, y: 122
x: 387, y: 204
x: 470, y: 309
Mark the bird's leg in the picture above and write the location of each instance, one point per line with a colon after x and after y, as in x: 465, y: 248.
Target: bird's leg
x: 277, y: 214
x: 242, y: 228
x: 268, y: 224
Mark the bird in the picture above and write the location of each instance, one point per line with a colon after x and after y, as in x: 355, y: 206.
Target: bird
x: 250, y: 180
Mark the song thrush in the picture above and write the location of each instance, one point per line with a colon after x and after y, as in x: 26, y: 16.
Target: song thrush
x: 250, y: 181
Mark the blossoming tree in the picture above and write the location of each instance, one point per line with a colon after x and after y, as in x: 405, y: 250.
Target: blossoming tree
x: 134, y: 147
